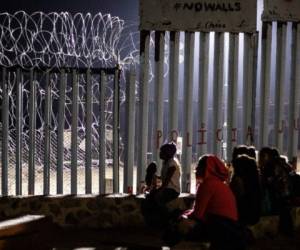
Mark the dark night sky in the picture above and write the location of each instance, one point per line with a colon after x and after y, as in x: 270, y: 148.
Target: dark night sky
x: 125, y: 9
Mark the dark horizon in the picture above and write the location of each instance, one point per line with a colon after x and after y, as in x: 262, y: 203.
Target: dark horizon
x: 125, y: 9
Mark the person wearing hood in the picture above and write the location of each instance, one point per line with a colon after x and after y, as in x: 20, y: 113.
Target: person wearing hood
x: 214, y: 216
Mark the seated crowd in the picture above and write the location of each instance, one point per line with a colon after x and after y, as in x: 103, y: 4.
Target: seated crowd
x: 230, y: 197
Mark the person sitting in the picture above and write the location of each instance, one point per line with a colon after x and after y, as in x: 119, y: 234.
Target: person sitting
x: 151, y: 179
x: 170, y: 174
x: 246, y: 187
x: 155, y: 207
x: 214, y: 216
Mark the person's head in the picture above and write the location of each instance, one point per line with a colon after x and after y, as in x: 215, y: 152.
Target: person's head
x: 245, y: 166
x: 152, y: 168
x: 239, y: 150
x: 150, y: 172
x: 243, y: 150
x: 211, y: 165
x: 252, y: 152
x: 265, y: 156
x: 167, y: 151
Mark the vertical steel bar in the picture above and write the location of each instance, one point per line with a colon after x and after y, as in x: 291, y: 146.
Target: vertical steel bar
x: 19, y: 116
x: 88, y: 133
x: 102, y: 134
x: 218, y: 93
x: 173, y: 84
x: 47, y: 159
x: 32, y: 128
x: 232, y: 92
x: 253, y: 81
x: 265, y: 82
x: 116, y: 130
x: 294, y: 120
x: 247, y: 95
x: 129, y: 132
x: 249, y: 52
x: 188, y: 110
x: 158, y: 94
x: 203, y: 91
x: 60, y: 131
x: 144, y: 105
x: 5, y: 132
x: 279, y: 86
x: 74, y: 129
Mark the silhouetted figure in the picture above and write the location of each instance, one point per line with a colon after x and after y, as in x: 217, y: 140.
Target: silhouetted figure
x: 155, y: 209
x: 246, y: 187
x: 243, y: 150
x: 277, y: 188
x: 151, y: 178
x: 214, y: 215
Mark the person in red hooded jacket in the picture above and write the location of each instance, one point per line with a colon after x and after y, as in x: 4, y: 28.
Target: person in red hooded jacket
x: 214, y: 216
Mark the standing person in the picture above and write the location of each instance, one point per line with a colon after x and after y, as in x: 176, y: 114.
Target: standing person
x: 214, y: 216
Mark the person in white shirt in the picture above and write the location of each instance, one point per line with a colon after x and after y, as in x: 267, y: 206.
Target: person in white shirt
x: 155, y: 209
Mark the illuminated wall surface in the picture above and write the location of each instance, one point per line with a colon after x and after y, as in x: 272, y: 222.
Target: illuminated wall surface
x: 209, y: 91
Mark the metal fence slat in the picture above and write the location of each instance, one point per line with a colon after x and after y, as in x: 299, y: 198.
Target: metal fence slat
x: 129, y: 132
x: 19, y: 117
x: 116, y: 128
x: 47, y: 135
x: 88, y: 135
x: 5, y: 132
x: 32, y: 128
x: 188, y: 110
x: 102, y: 133
x: 60, y: 131
x: 74, y: 132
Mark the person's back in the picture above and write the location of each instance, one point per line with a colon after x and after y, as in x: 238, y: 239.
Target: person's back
x: 172, y: 182
x: 151, y: 178
x: 215, y: 210
x: 246, y: 187
x: 214, y: 197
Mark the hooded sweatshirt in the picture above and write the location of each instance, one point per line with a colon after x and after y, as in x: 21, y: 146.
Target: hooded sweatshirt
x: 214, y: 197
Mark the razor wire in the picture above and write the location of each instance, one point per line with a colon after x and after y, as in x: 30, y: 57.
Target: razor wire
x: 59, y: 40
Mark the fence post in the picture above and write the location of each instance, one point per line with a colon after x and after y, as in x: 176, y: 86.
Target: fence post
x: 116, y: 130
x: 203, y: 92
x: 294, y: 94
x: 280, y: 85
x: 232, y: 90
x: 19, y: 117
x: 129, y: 131
x: 60, y: 131
x: 5, y: 132
x: 265, y: 83
x: 32, y: 128
x: 102, y: 134
x: 74, y: 138
x: 188, y: 110
x: 88, y: 133
x: 173, y: 83
x: 143, y: 106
